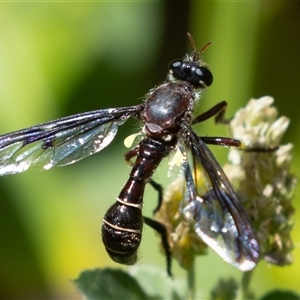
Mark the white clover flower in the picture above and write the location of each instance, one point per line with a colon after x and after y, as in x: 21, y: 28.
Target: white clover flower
x: 263, y: 181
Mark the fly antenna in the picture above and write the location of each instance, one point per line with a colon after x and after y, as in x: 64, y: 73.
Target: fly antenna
x: 192, y: 42
x: 204, y: 47
x: 196, y: 54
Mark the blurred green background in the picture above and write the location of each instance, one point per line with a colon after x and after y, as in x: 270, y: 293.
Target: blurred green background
x: 58, y: 59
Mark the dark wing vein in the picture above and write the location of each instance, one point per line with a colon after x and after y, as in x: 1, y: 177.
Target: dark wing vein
x: 61, y: 142
x: 214, y: 209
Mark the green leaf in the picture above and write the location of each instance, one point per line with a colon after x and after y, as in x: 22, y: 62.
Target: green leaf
x: 155, y: 281
x: 109, y: 284
x: 278, y: 294
x: 145, y: 282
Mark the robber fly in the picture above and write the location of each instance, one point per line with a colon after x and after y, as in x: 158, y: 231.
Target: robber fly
x: 166, y: 115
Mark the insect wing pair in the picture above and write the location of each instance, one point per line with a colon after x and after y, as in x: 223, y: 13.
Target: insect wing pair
x: 60, y: 142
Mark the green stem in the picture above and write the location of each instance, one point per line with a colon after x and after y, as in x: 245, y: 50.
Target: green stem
x: 243, y: 292
x: 191, y: 282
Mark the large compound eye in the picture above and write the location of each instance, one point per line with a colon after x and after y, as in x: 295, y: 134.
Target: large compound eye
x: 175, y: 67
x: 204, y: 75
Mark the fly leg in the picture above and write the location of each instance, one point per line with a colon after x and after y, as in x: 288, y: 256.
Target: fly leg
x: 130, y: 154
x: 159, y: 227
x: 218, y: 111
x: 159, y: 190
x: 162, y: 231
x: 229, y: 142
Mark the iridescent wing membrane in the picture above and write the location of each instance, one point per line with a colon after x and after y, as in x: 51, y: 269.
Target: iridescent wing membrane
x: 62, y: 141
x: 213, y: 209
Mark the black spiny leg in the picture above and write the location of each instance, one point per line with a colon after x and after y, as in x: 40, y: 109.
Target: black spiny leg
x: 159, y: 189
x: 159, y: 227
x: 218, y: 111
x: 162, y: 230
x: 229, y: 142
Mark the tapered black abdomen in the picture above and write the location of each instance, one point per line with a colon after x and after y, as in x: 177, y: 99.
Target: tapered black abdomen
x: 123, y: 222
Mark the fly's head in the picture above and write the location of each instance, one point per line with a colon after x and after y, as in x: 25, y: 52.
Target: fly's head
x: 191, y: 69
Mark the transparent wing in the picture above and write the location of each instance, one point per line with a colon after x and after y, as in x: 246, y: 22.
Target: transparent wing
x: 212, y: 207
x: 61, y: 142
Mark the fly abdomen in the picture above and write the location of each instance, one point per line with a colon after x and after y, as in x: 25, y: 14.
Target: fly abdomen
x: 123, y: 222
x: 122, y: 231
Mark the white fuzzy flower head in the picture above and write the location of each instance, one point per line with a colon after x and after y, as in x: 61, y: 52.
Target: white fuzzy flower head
x: 263, y: 181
